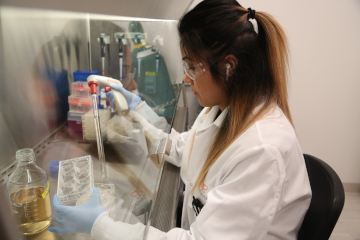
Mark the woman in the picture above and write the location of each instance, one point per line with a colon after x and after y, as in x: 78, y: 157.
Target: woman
x: 241, y: 162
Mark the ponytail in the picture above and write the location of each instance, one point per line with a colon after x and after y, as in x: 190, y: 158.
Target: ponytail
x: 278, y: 57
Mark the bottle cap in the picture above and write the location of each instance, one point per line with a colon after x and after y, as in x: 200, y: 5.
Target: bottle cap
x: 54, y: 166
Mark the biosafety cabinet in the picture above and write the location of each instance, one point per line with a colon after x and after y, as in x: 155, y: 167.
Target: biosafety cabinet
x: 45, y: 58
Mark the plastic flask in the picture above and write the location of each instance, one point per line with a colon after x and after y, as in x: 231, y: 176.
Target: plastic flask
x: 28, y: 189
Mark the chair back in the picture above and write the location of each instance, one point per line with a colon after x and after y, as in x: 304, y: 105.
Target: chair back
x: 327, y: 201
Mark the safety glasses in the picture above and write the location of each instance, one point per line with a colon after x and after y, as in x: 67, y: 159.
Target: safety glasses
x: 194, y: 71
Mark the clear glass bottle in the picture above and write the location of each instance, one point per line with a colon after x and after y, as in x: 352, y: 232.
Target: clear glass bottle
x: 28, y: 189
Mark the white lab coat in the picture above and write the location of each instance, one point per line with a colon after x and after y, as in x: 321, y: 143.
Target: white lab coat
x: 257, y: 189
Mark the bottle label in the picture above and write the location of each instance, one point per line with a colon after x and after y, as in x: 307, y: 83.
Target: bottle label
x: 46, y: 190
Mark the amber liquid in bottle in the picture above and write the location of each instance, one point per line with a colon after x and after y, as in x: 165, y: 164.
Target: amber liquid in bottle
x: 32, y: 208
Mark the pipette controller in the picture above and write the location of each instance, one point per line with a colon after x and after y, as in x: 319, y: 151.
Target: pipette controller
x: 101, y: 81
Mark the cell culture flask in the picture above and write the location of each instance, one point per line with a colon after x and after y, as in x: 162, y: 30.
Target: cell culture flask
x: 28, y: 189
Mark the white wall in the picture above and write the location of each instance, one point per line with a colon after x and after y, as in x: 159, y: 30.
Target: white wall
x: 324, y: 92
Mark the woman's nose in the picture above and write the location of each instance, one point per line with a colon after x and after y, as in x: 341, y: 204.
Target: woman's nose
x: 187, y: 79
x: 132, y: 85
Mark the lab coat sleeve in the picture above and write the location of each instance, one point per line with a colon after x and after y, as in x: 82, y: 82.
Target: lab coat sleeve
x: 151, y: 132
x: 105, y: 228
x: 151, y: 122
x: 244, y: 203
x: 146, y: 112
x: 177, y: 147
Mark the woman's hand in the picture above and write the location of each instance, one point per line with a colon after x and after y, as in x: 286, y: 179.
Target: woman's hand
x: 132, y: 99
x: 77, y: 219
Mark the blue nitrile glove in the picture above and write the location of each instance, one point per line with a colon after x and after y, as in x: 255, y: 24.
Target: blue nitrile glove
x: 131, y: 98
x: 77, y: 219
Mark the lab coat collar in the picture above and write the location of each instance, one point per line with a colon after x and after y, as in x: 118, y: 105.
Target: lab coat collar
x: 207, y: 120
x: 221, y: 117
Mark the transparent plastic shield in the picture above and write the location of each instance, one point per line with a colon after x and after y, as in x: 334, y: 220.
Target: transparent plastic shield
x: 151, y: 49
x: 48, y: 47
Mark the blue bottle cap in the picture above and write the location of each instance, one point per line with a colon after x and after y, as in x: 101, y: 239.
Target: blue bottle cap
x: 54, y: 166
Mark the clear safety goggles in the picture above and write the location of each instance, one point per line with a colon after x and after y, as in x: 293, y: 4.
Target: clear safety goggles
x: 194, y: 71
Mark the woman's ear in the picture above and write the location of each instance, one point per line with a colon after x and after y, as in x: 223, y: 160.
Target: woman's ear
x: 230, y: 64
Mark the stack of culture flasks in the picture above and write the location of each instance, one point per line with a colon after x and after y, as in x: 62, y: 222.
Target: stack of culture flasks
x: 79, y: 100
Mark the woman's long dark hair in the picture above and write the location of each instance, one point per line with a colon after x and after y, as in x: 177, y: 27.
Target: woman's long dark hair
x: 217, y: 28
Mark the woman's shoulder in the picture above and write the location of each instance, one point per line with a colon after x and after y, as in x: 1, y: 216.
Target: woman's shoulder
x: 273, y: 130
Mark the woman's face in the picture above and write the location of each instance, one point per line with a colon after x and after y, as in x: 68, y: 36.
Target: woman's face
x: 129, y: 82
x: 205, y: 88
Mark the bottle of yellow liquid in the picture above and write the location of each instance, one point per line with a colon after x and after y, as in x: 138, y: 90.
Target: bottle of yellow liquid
x: 28, y: 188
